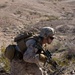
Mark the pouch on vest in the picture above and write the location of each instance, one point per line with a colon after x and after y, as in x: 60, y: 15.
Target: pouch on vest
x: 10, y: 52
x: 21, y: 39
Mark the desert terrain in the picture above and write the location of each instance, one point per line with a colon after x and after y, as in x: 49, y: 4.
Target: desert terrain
x: 20, y: 15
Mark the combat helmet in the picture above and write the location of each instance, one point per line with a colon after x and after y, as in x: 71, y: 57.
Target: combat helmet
x: 47, y: 31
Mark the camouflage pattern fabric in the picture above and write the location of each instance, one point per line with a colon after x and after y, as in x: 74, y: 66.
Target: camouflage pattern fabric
x: 30, y: 64
x: 20, y: 67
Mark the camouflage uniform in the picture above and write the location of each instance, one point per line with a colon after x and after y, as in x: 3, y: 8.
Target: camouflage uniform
x: 28, y: 66
x: 30, y: 56
x: 30, y: 63
x: 20, y: 67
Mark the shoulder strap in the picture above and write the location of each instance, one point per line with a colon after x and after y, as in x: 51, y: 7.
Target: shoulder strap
x: 37, y: 44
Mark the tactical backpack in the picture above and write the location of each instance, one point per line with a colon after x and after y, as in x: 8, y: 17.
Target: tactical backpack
x: 10, y: 52
x: 21, y: 39
x: 16, y: 51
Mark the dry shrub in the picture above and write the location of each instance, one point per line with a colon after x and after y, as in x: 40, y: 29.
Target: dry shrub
x: 71, y: 52
x: 4, y: 60
x: 51, y: 17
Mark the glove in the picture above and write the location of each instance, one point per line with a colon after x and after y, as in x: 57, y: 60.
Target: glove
x: 42, y: 58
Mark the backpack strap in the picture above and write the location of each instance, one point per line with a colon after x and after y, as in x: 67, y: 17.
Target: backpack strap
x: 38, y: 44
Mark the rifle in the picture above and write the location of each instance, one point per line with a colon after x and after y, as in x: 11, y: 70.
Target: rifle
x: 47, y: 54
x: 57, y: 69
x: 50, y: 60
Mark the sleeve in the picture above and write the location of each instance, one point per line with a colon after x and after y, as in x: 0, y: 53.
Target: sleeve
x: 29, y: 55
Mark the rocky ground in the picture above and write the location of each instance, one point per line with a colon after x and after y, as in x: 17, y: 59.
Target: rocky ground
x: 20, y: 15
